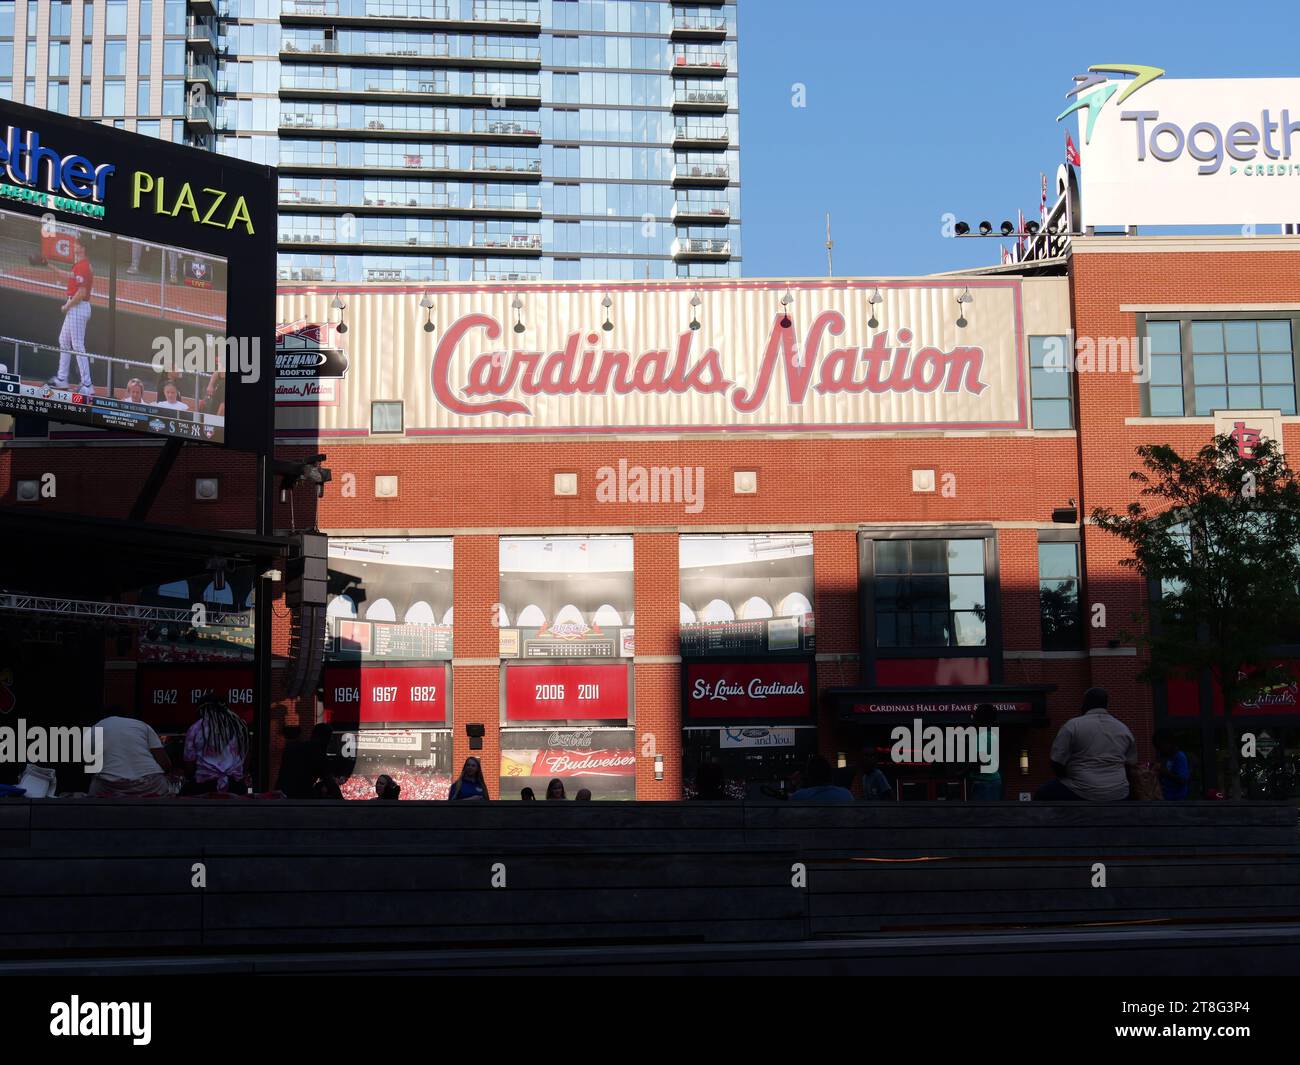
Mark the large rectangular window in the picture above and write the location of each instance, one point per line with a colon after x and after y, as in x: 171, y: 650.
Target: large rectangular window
x: 1202, y: 365
x: 930, y: 593
x: 744, y: 595
x: 1050, y: 364
x: 1058, y: 595
x: 390, y: 599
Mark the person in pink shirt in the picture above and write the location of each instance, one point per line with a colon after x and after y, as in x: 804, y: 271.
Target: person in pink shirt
x: 216, y: 750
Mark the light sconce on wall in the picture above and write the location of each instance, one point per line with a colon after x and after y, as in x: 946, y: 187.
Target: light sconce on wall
x: 607, y: 324
x: 427, y: 304
x: 875, y: 300
x: 962, y: 300
x: 337, y: 304
x: 695, y: 312
x: 786, y: 300
x: 517, y: 305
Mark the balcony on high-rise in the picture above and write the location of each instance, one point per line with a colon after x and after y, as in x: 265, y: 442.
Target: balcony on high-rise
x: 707, y: 27
x: 695, y: 212
x: 700, y: 98
x: 199, y: 114
x: 201, y: 35
x: 700, y: 173
x: 704, y: 248
x: 475, y: 16
x: 201, y: 72
x: 708, y: 135
x: 698, y: 62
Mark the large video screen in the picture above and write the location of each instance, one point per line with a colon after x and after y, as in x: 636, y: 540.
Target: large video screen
x: 137, y: 285
x: 91, y: 321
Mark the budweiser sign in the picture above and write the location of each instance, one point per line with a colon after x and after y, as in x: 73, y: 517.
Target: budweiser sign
x: 553, y: 763
x: 839, y: 355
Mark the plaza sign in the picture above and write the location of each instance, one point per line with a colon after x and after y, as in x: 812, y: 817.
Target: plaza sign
x: 1167, y: 151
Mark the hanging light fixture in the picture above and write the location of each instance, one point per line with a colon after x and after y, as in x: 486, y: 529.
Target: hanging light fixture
x: 786, y: 300
x: 337, y: 304
x: 695, y: 311
x: 963, y: 299
x: 427, y: 304
x: 607, y: 303
x: 518, y: 305
x: 874, y: 299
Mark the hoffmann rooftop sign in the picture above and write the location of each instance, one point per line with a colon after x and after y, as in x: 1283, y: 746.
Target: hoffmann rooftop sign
x: 540, y: 358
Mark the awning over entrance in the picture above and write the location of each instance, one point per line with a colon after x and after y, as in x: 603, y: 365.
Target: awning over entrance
x: 1017, y: 704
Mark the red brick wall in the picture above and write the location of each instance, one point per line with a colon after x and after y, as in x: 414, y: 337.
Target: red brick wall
x: 1102, y: 283
x: 826, y: 484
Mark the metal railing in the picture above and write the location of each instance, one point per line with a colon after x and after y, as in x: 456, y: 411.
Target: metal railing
x: 509, y: 241
x: 702, y: 171
x: 702, y: 209
x: 691, y: 132
x: 712, y: 58
x: 506, y: 11
x: 701, y: 96
x: 505, y: 127
x: 709, y: 23
x: 510, y: 166
x: 394, y: 9
x: 701, y: 246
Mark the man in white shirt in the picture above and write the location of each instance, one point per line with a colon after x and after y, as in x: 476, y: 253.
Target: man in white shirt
x: 135, y: 764
x: 1091, y: 755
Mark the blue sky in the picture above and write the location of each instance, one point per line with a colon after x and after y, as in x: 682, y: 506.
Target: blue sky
x: 923, y: 107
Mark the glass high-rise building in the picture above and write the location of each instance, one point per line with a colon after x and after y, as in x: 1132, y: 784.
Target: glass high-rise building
x: 429, y: 140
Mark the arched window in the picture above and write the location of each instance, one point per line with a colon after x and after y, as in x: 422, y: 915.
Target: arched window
x: 502, y: 618
x: 446, y: 618
x: 175, y: 590
x: 755, y: 607
x: 607, y: 616
x: 381, y: 610
x: 794, y: 605
x: 716, y: 610
x: 531, y: 617
x: 341, y: 606
x: 569, y: 615
x: 685, y: 615
x: 420, y: 613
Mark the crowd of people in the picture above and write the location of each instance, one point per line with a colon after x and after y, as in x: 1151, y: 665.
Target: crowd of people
x: 1093, y: 758
x: 414, y: 782
x: 211, y: 759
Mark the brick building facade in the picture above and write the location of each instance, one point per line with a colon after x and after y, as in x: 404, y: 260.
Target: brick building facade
x: 868, y: 497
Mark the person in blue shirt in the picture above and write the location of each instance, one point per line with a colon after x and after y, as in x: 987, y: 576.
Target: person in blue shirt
x: 470, y: 784
x: 1175, y: 773
x: 817, y: 786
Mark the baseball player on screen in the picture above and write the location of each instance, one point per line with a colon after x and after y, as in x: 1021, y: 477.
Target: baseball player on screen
x: 76, y: 316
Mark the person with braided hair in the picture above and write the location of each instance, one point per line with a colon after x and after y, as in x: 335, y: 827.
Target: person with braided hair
x: 216, y: 750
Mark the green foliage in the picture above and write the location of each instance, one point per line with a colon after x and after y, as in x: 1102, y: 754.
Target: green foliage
x: 1220, y: 534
